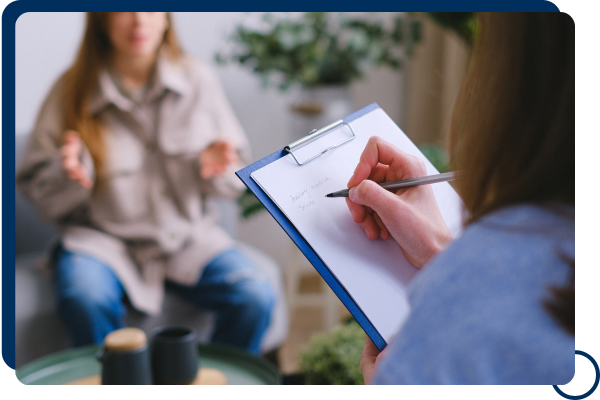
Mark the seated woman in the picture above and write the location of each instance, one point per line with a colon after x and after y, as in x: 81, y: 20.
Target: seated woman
x: 127, y: 148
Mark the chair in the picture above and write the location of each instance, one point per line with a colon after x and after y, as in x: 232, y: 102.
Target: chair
x: 38, y: 329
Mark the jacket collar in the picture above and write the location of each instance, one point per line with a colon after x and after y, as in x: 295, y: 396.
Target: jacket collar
x: 169, y: 75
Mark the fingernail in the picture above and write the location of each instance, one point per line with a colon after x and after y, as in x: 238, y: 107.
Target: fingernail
x: 352, y: 193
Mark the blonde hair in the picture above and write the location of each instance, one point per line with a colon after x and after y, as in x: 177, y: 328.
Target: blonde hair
x: 81, y: 82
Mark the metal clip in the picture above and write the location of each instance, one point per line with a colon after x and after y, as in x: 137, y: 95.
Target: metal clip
x: 314, y: 135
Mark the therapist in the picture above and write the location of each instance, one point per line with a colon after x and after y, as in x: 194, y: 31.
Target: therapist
x: 496, y: 305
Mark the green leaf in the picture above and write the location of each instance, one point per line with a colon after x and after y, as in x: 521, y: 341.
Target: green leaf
x: 333, y: 358
x: 318, y: 48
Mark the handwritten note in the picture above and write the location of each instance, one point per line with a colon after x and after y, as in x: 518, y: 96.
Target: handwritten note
x: 304, y: 199
x: 299, y: 196
x: 374, y: 273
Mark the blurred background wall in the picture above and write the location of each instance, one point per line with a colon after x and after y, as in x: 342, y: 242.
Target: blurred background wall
x: 419, y: 98
x: 433, y: 80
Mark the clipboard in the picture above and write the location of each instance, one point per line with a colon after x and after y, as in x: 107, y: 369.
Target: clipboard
x: 294, y: 234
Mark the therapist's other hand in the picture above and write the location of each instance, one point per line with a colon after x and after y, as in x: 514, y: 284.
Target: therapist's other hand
x: 411, y: 216
x: 215, y: 158
x: 369, y: 359
x: 70, y: 153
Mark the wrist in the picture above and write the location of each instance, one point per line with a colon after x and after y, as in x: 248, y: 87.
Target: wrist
x: 438, y: 243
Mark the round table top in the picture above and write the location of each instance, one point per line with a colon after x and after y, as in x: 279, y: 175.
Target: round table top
x: 238, y: 366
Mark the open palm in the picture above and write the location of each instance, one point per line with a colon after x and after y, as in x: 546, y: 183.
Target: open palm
x: 215, y: 158
x: 70, y: 153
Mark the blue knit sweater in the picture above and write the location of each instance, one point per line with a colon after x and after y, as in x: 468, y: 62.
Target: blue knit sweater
x: 477, y: 315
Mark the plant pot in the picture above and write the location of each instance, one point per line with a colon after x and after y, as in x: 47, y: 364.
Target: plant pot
x: 316, y: 107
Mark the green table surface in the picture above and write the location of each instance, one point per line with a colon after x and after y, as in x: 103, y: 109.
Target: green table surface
x: 240, y: 367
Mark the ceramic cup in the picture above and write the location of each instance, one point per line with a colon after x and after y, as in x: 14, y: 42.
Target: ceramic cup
x: 174, y: 355
x: 125, y: 358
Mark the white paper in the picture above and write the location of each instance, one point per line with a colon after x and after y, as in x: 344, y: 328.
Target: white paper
x: 374, y: 273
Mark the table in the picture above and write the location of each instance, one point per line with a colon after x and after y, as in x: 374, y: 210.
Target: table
x: 239, y: 367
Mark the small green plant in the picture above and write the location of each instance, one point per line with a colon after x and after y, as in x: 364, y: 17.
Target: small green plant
x: 321, y: 48
x: 333, y: 358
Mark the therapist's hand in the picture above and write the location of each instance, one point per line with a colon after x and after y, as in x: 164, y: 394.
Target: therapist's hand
x: 369, y: 359
x: 411, y: 216
x: 215, y: 158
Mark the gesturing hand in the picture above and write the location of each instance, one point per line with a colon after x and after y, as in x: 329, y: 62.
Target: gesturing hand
x: 70, y: 152
x: 411, y: 216
x: 215, y: 158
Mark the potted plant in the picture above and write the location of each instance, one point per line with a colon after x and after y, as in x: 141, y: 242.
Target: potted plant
x: 321, y: 48
x: 321, y: 54
x: 333, y: 358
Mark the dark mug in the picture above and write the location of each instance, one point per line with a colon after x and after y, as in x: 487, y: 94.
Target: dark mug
x: 174, y: 355
x: 125, y: 358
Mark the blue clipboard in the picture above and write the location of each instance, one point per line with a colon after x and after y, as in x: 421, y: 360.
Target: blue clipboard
x: 305, y: 248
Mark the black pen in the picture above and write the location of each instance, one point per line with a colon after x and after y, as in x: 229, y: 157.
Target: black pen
x: 405, y: 183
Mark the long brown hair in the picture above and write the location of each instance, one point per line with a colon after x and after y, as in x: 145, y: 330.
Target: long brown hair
x: 513, y: 131
x: 81, y: 82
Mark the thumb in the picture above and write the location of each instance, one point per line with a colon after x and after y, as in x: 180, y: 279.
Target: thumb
x: 370, y: 194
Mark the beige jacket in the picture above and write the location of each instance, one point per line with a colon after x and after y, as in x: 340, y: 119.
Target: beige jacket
x: 149, y: 221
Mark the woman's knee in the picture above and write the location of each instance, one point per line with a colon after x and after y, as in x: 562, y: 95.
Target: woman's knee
x: 84, y: 284
x: 257, y: 297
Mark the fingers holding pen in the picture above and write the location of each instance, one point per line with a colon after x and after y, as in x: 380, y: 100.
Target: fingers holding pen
x: 377, y: 155
x: 410, y: 216
x: 368, y: 220
x: 383, y: 231
x: 381, y: 161
x: 363, y: 217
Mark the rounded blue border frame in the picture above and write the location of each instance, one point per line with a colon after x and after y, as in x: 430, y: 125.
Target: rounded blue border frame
x: 589, y: 392
x: 15, y: 9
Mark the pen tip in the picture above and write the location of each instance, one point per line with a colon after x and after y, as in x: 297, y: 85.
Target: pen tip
x: 328, y: 195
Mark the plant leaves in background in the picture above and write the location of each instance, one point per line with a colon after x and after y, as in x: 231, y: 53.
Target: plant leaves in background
x: 464, y: 24
x: 333, y: 358
x: 321, y: 48
x: 249, y: 204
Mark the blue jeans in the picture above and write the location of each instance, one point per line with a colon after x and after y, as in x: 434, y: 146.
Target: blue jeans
x: 90, y: 298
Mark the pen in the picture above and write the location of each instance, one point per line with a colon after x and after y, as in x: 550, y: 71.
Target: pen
x: 405, y: 183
